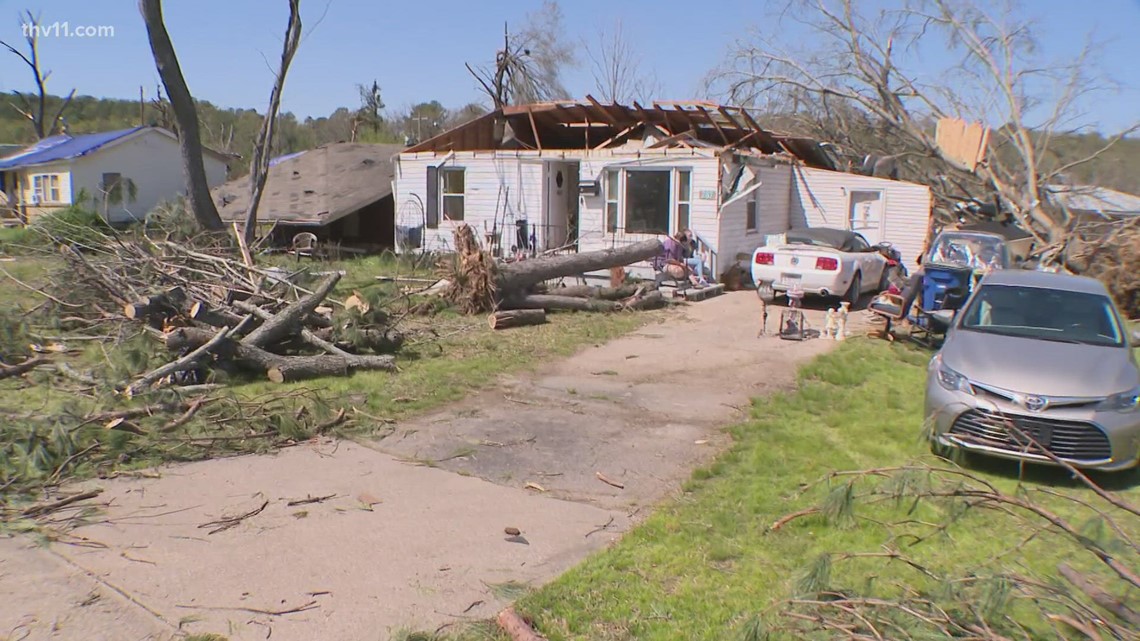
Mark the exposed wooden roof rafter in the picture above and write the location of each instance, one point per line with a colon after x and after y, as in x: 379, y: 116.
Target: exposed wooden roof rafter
x: 715, y: 124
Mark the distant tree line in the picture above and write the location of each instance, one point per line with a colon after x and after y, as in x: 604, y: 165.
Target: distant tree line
x: 234, y: 130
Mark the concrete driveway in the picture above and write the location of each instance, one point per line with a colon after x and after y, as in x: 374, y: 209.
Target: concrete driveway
x: 413, y: 530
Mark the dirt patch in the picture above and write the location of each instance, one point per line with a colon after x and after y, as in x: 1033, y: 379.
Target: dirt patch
x: 402, y: 539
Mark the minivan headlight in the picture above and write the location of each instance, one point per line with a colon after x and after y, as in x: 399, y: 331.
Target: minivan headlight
x: 1124, y: 402
x: 949, y: 379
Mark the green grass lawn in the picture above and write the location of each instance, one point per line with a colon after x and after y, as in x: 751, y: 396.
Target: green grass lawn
x: 446, y: 357
x: 703, y: 566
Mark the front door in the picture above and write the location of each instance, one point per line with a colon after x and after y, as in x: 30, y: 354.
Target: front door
x: 865, y: 215
x: 560, y: 205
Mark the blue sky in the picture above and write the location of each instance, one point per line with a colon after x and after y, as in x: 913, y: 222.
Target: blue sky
x: 416, y: 50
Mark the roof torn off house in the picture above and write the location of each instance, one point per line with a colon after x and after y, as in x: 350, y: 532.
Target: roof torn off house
x: 580, y: 176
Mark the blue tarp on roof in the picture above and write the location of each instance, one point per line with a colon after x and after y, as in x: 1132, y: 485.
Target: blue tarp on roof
x: 62, y: 147
x: 280, y: 159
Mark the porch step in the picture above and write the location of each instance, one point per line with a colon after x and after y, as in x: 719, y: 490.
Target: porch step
x: 693, y: 294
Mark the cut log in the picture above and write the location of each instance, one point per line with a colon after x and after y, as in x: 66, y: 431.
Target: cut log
x: 288, y: 320
x: 165, y: 303
x: 202, y: 312
x: 516, y: 318
x: 381, y: 341
x: 524, y: 274
x: 8, y: 371
x: 306, y: 335
x: 516, y: 627
x: 649, y: 300
x: 549, y: 302
x: 298, y: 368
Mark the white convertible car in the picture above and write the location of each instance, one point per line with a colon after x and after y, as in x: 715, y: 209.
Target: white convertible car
x: 824, y: 262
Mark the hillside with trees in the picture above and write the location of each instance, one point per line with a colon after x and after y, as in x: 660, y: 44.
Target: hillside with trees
x: 234, y: 130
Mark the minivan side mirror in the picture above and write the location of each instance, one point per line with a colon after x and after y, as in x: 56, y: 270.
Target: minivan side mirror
x: 1136, y: 337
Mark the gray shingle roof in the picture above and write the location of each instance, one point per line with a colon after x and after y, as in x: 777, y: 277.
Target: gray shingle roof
x: 315, y: 187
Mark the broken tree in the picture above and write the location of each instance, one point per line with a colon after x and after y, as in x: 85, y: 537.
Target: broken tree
x: 477, y: 283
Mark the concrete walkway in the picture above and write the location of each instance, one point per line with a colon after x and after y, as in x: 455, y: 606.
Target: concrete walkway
x: 413, y: 534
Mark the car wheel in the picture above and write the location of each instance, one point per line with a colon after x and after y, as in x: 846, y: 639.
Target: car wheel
x: 855, y: 291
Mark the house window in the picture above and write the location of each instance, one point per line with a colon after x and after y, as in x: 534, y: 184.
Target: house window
x: 750, y: 223
x: 684, y: 198
x: 45, y: 188
x: 452, y: 192
x: 647, y: 201
x: 612, y: 195
x: 112, y: 187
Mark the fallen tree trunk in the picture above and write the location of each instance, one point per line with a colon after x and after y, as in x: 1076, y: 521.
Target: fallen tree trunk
x: 524, y: 274
x: 516, y: 318
x: 590, y: 291
x: 298, y: 368
x: 288, y: 320
x: 202, y: 312
x: 568, y: 303
x: 381, y: 341
x: 8, y: 371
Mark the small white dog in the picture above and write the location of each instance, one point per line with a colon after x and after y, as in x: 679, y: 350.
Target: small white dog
x: 841, y: 329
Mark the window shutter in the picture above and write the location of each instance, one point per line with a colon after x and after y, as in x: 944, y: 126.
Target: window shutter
x: 433, y: 197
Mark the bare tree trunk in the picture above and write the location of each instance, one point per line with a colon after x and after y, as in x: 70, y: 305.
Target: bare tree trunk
x: 185, y: 114
x: 517, y: 277
x: 259, y: 167
x: 36, y: 114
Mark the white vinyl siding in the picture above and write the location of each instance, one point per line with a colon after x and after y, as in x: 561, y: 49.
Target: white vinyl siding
x: 151, y: 161
x: 496, y: 193
x: 821, y: 198
x: 502, y: 188
x: 770, y: 200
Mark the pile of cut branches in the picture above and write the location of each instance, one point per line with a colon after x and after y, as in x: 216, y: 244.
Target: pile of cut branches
x: 213, y: 311
x: 477, y: 283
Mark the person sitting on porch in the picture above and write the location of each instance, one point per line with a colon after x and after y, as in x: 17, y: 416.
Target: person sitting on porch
x: 694, y: 258
x: 670, y: 263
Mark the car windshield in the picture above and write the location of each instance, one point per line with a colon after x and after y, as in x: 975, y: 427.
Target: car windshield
x: 1045, y: 314
x: 975, y: 251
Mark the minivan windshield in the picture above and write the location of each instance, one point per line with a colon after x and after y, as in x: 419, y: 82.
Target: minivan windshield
x: 1045, y: 314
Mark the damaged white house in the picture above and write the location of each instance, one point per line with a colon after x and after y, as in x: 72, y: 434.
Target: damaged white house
x: 570, y: 176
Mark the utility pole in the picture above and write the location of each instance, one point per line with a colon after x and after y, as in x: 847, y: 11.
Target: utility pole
x: 419, y: 129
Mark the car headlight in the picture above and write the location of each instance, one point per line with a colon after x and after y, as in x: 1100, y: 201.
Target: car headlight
x: 1124, y: 402
x: 949, y: 379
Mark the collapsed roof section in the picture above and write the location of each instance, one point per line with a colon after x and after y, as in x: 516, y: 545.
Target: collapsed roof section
x: 592, y: 125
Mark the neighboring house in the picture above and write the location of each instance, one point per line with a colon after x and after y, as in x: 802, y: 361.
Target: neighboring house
x: 579, y: 176
x: 342, y: 192
x: 124, y: 174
